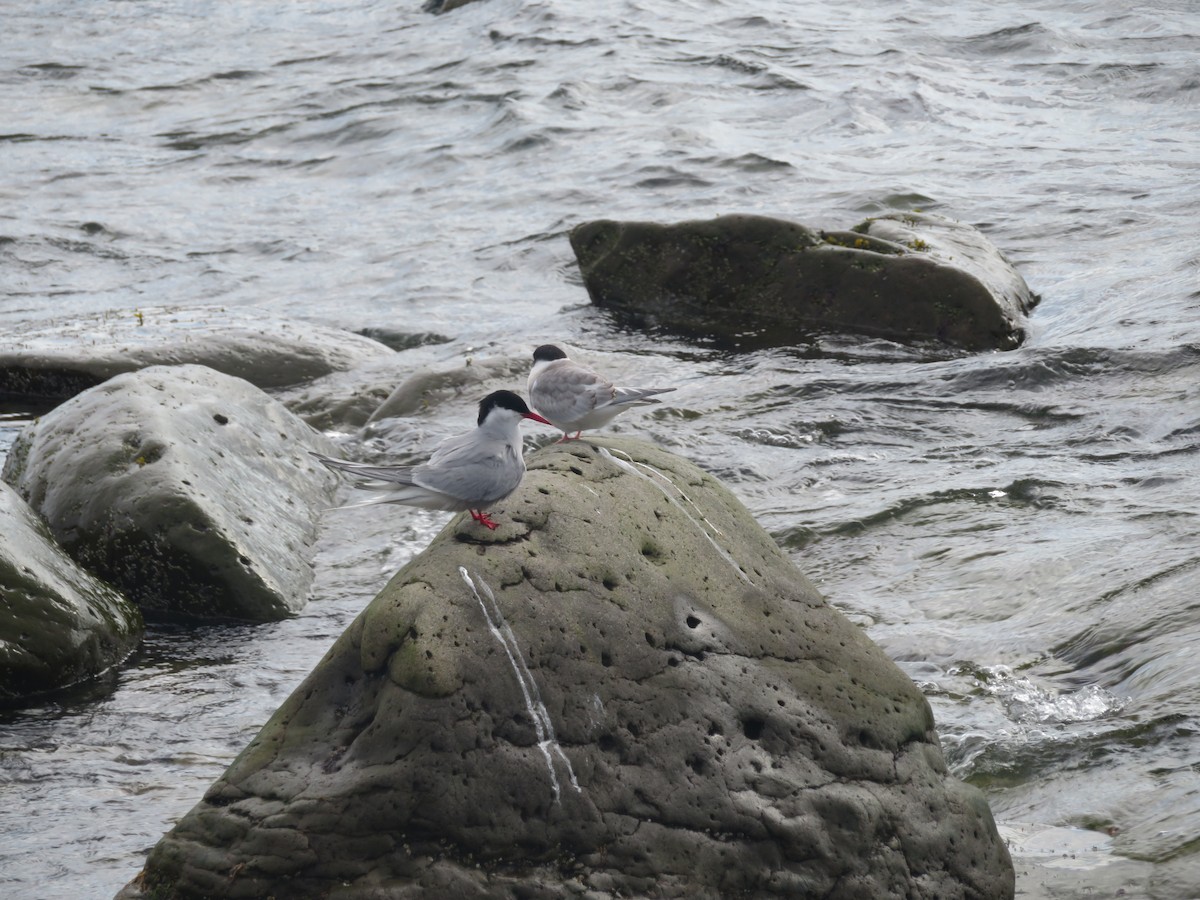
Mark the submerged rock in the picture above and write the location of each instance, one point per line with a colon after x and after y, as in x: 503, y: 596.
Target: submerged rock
x: 444, y: 6
x: 344, y: 400
x: 59, y: 625
x: 50, y: 364
x: 379, y: 391
x: 430, y: 386
x: 191, y: 491
x: 627, y: 690
x: 908, y: 277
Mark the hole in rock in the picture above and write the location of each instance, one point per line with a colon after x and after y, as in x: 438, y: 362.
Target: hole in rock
x: 753, y: 728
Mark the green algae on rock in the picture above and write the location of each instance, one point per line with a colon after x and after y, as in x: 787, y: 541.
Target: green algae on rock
x: 625, y: 690
x: 190, y: 491
x: 911, y: 277
x: 59, y: 625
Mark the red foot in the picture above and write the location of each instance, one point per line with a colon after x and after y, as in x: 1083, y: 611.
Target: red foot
x: 569, y: 437
x: 483, y: 519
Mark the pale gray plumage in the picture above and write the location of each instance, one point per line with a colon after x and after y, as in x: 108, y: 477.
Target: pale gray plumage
x: 575, y: 397
x: 469, y: 471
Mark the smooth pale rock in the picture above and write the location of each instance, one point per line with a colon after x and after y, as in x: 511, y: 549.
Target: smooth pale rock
x: 58, y: 360
x: 190, y: 491
x: 627, y: 690
x: 59, y: 625
x: 755, y: 281
x: 344, y: 401
x: 433, y: 385
x: 387, y: 390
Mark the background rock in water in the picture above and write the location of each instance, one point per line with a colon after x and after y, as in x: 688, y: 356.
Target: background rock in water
x: 625, y: 690
x: 757, y: 281
x: 432, y: 385
x: 345, y: 400
x: 191, y: 491
x: 58, y: 360
x: 59, y: 625
x: 398, y: 387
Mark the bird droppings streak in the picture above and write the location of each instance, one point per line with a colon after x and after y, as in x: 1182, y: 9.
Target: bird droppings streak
x: 632, y: 469
x: 543, y: 726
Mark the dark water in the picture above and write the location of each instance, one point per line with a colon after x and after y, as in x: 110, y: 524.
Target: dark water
x: 1018, y: 531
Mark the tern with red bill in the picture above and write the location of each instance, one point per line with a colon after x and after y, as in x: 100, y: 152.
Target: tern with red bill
x: 469, y: 471
x: 575, y: 397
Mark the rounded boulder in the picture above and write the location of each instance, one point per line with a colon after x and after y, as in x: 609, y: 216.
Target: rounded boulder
x: 191, y: 491
x: 59, y: 625
x: 751, y: 281
x: 625, y: 690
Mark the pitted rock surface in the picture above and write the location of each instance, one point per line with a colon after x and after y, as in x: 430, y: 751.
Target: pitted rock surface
x: 625, y: 690
x: 190, y: 491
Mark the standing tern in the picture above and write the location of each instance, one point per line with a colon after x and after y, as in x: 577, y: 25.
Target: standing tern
x: 574, y: 397
x: 469, y: 471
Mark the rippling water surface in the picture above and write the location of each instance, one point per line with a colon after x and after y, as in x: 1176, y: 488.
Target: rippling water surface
x: 1018, y: 530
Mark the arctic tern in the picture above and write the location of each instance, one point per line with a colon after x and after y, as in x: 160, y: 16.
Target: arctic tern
x: 574, y: 397
x: 470, y: 471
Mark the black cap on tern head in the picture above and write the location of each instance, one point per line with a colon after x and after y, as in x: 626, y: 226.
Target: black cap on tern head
x: 503, y: 399
x: 548, y: 352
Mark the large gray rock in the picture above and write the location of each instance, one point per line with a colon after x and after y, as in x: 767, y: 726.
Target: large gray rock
x: 625, y: 690
x: 190, y: 491
x: 59, y: 359
x: 758, y: 281
x: 59, y: 625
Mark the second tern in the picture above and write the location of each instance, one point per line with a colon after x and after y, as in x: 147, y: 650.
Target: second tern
x: 575, y: 397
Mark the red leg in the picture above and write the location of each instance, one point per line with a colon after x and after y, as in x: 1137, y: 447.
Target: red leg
x: 483, y: 519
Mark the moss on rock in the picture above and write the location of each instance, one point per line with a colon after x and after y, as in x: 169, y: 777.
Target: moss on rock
x: 626, y: 690
x: 755, y: 280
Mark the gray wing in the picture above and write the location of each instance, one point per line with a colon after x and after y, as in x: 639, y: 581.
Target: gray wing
x: 566, y: 393
x: 475, y: 471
